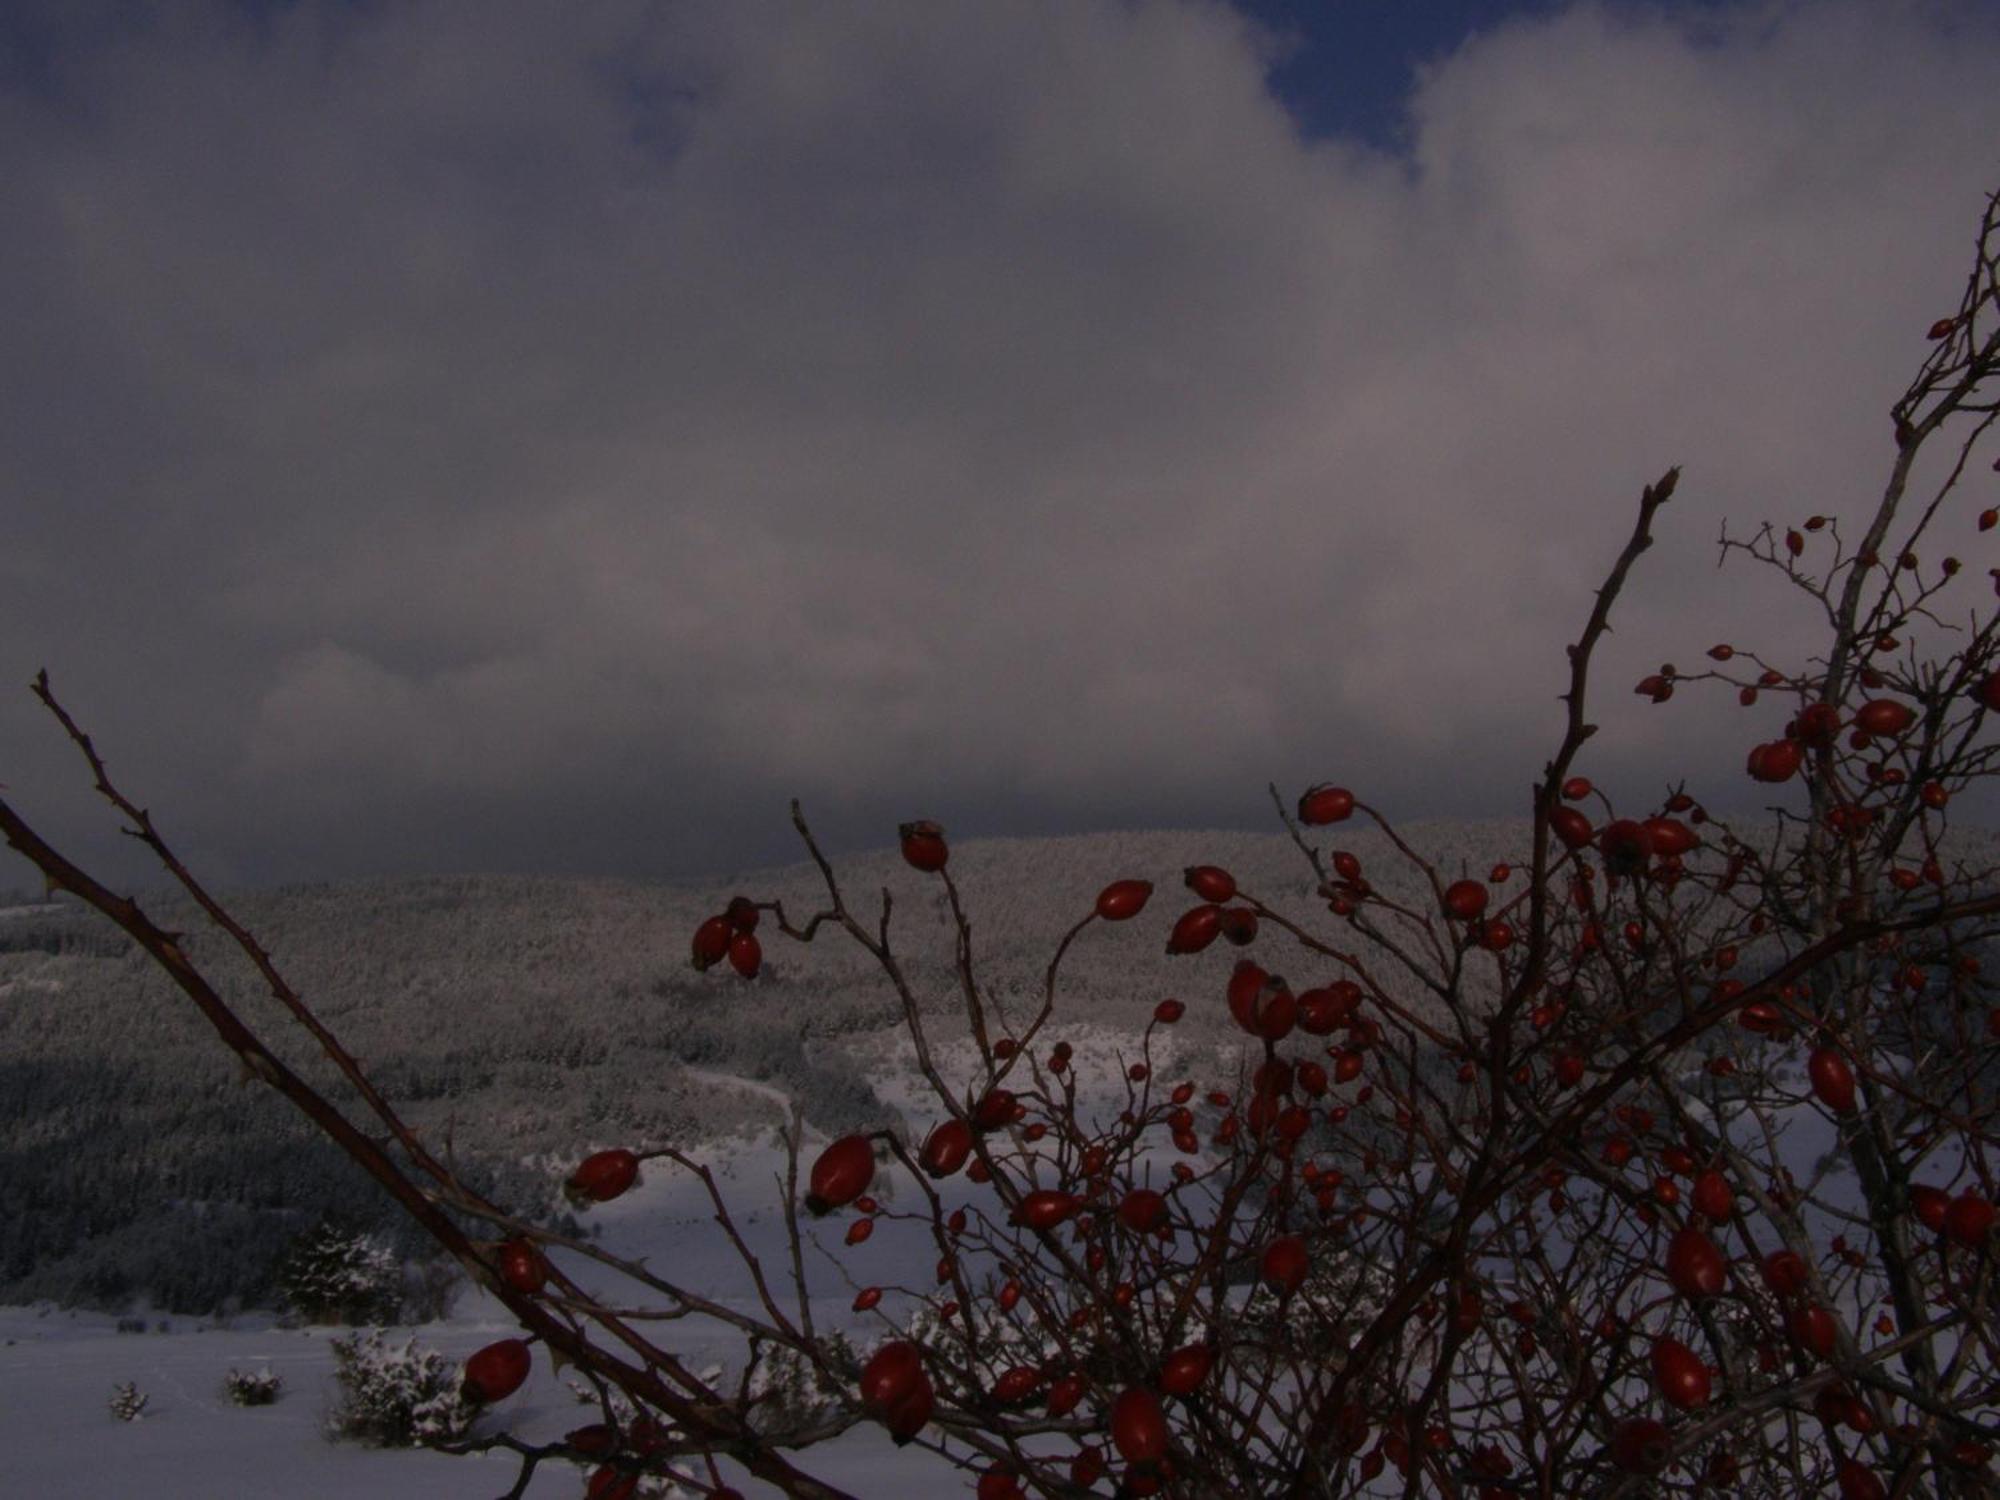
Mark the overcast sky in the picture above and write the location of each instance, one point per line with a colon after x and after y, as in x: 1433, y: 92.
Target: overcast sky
x: 542, y: 436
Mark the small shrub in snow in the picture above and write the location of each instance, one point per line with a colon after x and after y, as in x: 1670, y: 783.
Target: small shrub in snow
x: 1004, y: 1341
x: 783, y: 1382
x: 626, y: 1415
x: 1341, y: 1296
x: 396, y: 1397
x: 258, y: 1388
x: 792, y: 1387
x: 128, y: 1403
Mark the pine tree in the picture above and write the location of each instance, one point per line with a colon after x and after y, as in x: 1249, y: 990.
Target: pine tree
x: 337, y: 1275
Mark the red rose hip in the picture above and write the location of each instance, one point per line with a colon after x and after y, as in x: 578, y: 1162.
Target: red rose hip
x: 1832, y: 1079
x: 522, y: 1266
x: 946, y: 1149
x: 1326, y: 804
x: 1123, y: 899
x: 1694, y: 1266
x: 1139, y: 1426
x: 841, y: 1174
x: 923, y: 846
x: 1679, y: 1375
x: 602, y: 1176
x: 497, y: 1371
x: 1285, y: 1264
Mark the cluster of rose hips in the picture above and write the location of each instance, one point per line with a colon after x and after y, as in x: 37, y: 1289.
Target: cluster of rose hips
x: 730, y: 934
x: 1819, y: 724
x: 896, y: 1388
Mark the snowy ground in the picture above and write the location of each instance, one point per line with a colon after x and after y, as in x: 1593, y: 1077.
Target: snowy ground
x: 58, y: 1369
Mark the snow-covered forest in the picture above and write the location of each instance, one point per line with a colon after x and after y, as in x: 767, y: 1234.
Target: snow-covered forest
x: 533, y: 1020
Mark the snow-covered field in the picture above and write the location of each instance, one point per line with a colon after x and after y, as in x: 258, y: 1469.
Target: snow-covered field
x: 58, y: 1370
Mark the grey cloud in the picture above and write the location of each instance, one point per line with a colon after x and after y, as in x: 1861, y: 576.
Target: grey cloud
x: 522, y: 436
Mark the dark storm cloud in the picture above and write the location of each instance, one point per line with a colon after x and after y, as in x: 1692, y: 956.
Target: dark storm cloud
x: 538, y: 436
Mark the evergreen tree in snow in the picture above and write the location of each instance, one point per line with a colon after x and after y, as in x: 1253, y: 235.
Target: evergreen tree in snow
x: 336, y: 1275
